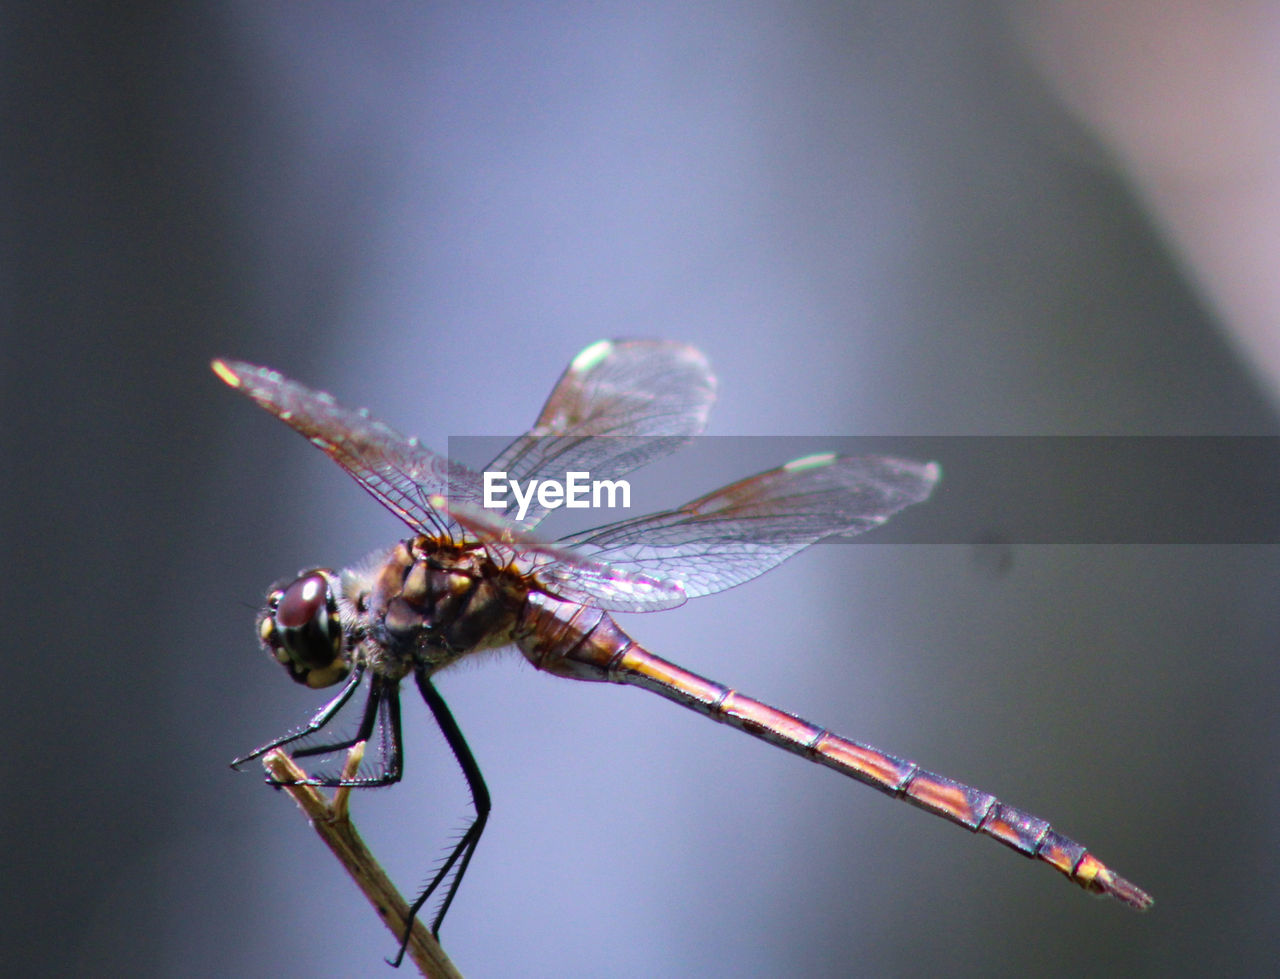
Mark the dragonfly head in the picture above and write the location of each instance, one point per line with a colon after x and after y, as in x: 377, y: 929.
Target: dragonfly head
x: 301, y: 629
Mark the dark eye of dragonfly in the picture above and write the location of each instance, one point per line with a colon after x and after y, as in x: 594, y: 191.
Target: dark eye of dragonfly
x: 301, y: 630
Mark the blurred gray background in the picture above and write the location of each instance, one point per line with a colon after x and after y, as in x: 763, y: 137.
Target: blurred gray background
x: 875, y: 218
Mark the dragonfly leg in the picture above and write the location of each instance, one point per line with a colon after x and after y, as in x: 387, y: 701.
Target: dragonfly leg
x: 382, y: 710
x: 466, y: 845
x: 321, y: 717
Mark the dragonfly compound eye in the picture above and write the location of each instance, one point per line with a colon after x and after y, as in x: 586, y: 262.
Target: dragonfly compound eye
x: 303, y: 632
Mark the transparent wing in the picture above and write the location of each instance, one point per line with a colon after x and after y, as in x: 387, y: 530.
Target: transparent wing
x: 619, y: 405
x: 398, y: 472
x: 741, y: 531
x: 560, y: 572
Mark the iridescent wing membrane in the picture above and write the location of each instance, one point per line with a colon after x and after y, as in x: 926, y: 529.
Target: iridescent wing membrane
x: 395, y: 470
x: 619, y: 405
x: 741, y: 531
x: 648, y: 396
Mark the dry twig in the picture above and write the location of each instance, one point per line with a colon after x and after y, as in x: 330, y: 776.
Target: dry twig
x: 332, y: 821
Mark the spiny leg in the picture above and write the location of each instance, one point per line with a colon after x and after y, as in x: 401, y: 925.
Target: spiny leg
x: 321, y: 717
x: 382, y: 710
x: 466, y: 846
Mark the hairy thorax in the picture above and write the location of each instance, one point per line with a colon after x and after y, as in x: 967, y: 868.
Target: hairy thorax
x: 430, y: 603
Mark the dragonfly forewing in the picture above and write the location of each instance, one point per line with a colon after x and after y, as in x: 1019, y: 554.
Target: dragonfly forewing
x: 619, y: 405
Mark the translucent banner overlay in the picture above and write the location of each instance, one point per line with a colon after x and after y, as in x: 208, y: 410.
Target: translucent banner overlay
x: 1003, y: 490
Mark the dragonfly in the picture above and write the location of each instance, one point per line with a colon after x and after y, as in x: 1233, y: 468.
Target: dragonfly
x: 470, y: 579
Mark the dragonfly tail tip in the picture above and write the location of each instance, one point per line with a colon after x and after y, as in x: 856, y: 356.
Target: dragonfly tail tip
x: 1113, y: 885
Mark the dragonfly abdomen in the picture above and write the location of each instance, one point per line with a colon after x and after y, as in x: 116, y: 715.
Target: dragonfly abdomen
x: 586, y: 644
x: 977, y: 811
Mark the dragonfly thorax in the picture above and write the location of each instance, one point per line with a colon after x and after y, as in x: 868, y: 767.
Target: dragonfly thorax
x: 432, y: 602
